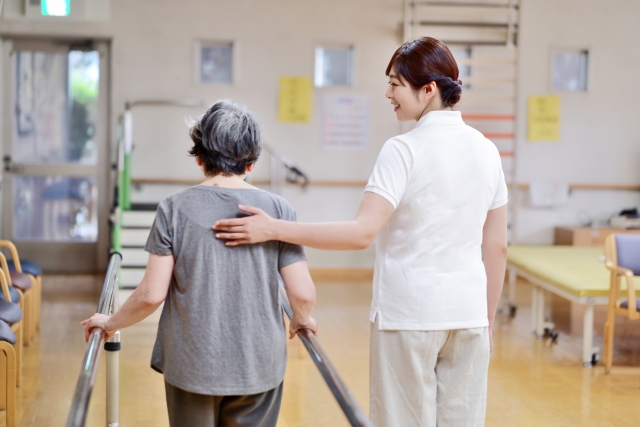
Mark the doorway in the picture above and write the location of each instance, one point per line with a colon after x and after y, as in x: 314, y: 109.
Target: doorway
x: 55, y: 200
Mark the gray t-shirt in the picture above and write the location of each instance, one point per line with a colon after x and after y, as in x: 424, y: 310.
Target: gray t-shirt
x: 221, y: 331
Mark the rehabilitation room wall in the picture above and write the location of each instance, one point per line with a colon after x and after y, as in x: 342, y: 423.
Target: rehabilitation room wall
x: 599, y: 134
x: 152, y: 51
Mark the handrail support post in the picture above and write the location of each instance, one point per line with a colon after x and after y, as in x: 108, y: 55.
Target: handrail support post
x: 112, y: 348
x: 113, y: 365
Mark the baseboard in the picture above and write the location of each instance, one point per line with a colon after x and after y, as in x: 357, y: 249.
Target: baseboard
x: 342, y: 275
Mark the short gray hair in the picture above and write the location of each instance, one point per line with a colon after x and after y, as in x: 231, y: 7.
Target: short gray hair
x: 226, y: 138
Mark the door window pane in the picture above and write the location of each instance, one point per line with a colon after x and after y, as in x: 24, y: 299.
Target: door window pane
x: 55, y: 209
x: 56, y: 107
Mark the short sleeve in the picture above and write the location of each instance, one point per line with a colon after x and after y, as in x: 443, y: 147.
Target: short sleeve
x: 502, y: 193
x: 391, y: 172
x: 160, y: 239
x: 287, y: 252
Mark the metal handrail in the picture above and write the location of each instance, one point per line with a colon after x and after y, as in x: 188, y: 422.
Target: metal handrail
x: 84, y: 387
x: 340, y: 392
x: 294, y: 174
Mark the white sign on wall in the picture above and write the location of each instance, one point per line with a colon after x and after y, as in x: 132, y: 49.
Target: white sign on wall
x: 345, y: 121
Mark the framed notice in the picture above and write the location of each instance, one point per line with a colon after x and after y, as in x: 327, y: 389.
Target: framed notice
x: 544, y: 118
x: 345, y: 121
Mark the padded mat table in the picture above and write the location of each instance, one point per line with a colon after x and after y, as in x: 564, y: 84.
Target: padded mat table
x: 575, y: 273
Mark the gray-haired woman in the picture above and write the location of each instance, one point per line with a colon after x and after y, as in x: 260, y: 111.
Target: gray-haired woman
x: 221, y: 342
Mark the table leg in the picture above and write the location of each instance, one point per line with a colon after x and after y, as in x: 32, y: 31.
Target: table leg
x: 512, y: 286
x: 534, y: 308
x: 587, y: 336
x: 540, y: 313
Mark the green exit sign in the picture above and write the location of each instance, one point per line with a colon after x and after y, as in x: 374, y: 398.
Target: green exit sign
x: 55, y: 7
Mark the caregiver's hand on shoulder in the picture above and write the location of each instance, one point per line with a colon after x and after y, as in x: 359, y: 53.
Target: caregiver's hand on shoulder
x: 257, y: 228
x: 98, y: 321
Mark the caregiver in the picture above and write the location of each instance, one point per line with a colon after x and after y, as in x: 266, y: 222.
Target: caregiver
x: 436, y: 201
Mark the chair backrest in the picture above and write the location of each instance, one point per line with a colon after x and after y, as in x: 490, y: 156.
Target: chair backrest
x: 628, y: 252
x: 5, y: 279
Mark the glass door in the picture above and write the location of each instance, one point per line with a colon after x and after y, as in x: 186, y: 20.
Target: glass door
x: 55, y: 203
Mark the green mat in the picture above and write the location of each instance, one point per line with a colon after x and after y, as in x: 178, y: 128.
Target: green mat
x: 579, y: 270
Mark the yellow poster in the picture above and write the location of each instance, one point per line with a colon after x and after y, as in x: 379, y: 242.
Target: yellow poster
x: 544, y: 118
x: 294, y: 104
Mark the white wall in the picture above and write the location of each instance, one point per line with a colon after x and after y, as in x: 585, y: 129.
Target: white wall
x: 153, y: 54
x: 600, y: 137
x: 153, y: 58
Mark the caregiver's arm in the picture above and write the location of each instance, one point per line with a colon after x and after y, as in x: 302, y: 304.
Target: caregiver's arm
x: 373, y: 213
x: 494, y: 256
x: 149, y: 294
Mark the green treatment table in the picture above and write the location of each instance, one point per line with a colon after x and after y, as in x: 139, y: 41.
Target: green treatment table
x: 574, y: 273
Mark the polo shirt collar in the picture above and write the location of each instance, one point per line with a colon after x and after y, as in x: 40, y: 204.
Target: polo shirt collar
x: 441, y: 116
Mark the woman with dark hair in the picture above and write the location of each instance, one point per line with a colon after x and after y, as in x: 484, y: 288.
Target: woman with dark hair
x: 436, y: 201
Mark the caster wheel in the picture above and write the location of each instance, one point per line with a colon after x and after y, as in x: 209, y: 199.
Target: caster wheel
x: 594, y: 358
x: 554, y: 336
x: 512, y: 310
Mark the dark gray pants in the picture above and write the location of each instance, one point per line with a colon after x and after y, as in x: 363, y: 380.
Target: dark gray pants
x: 188, y: 409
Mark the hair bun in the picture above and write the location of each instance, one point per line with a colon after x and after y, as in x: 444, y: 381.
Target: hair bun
x: 450, y: 91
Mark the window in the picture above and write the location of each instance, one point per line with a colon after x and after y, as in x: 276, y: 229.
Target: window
x: 333, y: 66
x: 215, y: 62
x: 570, y: 71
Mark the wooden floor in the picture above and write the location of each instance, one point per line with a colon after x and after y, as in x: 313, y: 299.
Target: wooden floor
x: 532, y: 382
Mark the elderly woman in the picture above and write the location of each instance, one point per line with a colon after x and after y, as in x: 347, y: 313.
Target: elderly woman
x: 436, y: 200
x: 221, y: 343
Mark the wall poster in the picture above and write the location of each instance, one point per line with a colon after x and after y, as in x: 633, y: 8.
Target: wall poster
x: 544, y: 118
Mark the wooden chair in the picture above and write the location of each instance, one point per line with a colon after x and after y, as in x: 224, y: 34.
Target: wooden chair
x: 31, y: 268
x: 34, y: 272
x: 622, y: 258
x: 25, y: 284
x: 16, y: 327
x: 8, y: 375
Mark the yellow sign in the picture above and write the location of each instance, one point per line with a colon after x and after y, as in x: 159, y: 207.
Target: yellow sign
x: 544, y: 118
x: 294, y: 104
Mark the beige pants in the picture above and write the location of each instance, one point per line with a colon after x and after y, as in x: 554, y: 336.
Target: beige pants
x: 428, y: 378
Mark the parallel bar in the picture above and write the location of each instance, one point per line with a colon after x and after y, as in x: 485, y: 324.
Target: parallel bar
x: 84, y: 387
x: 349, y: 406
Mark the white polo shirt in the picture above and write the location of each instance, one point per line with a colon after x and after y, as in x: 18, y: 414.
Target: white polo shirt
x: 441, y: 178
